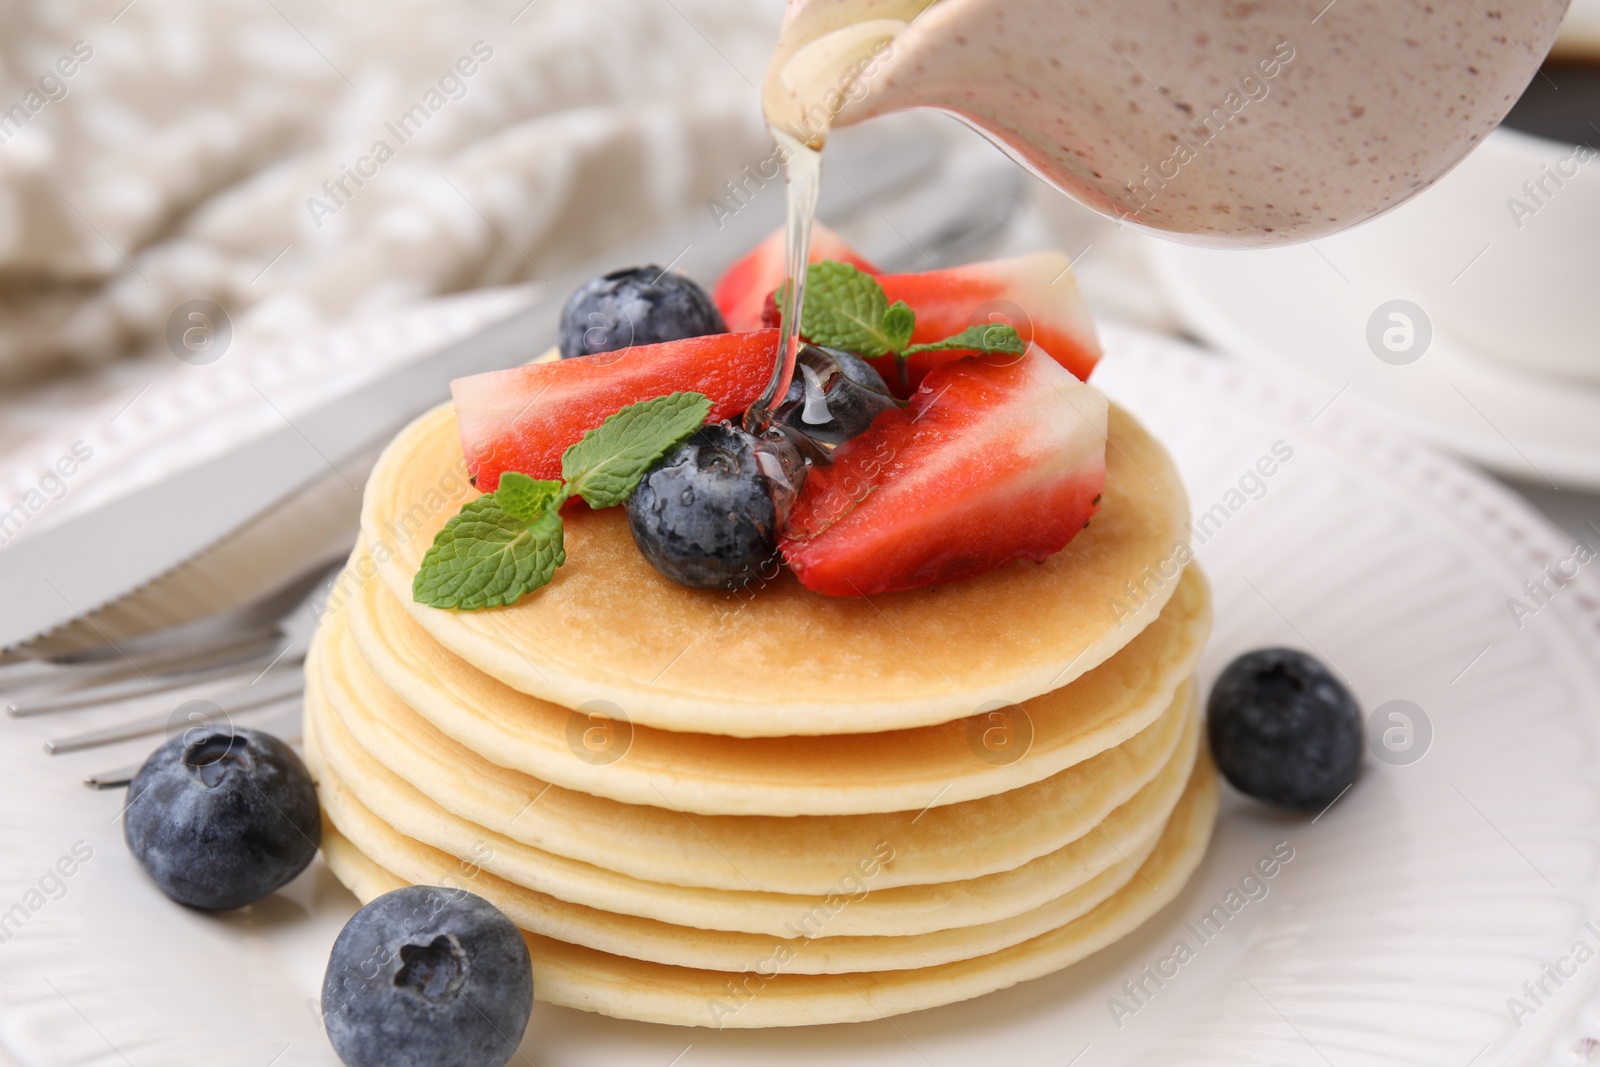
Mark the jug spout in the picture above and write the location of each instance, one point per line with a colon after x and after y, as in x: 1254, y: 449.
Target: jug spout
x: 826, y: 58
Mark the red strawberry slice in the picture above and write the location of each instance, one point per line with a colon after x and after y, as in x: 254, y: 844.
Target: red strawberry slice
x: 745, y: 289
x: 1037, y: 294
x: 523, y: 418
x: 991, y: 463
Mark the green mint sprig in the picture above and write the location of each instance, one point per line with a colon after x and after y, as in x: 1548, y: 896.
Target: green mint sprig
x: 847, y: 308
x: 505, y: 544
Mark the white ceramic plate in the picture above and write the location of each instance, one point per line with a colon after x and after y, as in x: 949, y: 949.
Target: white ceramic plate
x: 1410, y: 912
x: 1306, y: 309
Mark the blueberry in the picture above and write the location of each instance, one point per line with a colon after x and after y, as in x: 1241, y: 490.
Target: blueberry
x: 425, y: 976
x: 704, y: 515
x: 1283, y: 729
x: 833, y: 396
x: 637, y: 306
x: 221, y: 817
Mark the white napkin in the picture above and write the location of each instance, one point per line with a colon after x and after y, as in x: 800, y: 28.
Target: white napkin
x: 179, y: 150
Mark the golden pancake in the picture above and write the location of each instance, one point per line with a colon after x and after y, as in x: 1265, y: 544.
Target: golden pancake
x: 845, y: 775
x: 347, y: 777
x: 797, y: 854
x: 578, y: 977
x: 780, y: 660
x: 718, y: 950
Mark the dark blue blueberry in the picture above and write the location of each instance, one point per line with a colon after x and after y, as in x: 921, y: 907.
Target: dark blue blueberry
x: 704, y: 515
x: 637, y: 306
x: 221, y: 817
x: 423, y: 977
x: 1283, y: 729
x: 833, y: 396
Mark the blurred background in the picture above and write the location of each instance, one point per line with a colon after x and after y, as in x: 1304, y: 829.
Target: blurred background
x: 303, y: 177
x: 209, y: 150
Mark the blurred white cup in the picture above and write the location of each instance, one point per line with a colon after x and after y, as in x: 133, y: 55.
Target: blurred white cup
x: 1504, y: 253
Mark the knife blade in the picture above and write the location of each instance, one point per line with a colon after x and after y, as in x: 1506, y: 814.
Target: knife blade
x: 91, y: 559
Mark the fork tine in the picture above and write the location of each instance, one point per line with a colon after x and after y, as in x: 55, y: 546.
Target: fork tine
x: 238, y: 701
x: 112, y: 779
x: 285, y: 728
x: 135, y: 688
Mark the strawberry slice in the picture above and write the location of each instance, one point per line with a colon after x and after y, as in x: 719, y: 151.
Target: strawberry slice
x: 991, y: 463
x: 744, y: 292
x: 1035, y: 293
x: 523, y: 418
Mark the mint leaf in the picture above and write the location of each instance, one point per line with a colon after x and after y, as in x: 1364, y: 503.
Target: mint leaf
x: 990, y: 337
x: 898, y: 322
x: 510, y: 542
x: 606, y: 465
x: 485, y: 557
x: 525, y: 498
x: 845, y: 308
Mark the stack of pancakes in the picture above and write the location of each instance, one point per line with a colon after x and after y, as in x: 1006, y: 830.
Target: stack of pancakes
x: 769, y: 807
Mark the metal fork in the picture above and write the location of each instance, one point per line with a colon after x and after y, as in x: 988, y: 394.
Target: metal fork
x: 263, y: 642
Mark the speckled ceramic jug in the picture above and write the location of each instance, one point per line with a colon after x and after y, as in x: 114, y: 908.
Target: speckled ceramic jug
x: 1223, y: 122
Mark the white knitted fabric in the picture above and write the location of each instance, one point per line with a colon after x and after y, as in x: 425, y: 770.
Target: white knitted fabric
x: 215, y: 149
